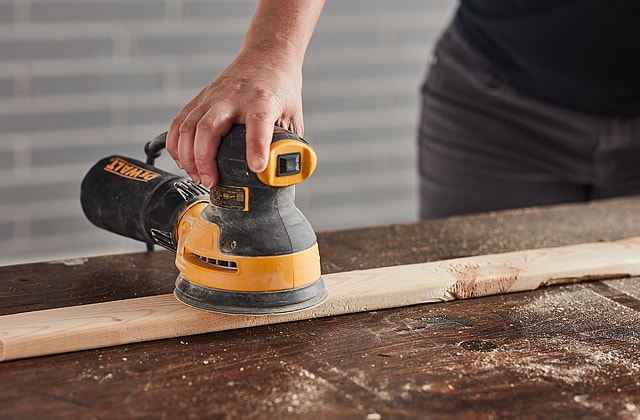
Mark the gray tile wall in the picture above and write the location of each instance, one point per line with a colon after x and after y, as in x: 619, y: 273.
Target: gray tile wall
x: 83, y: 79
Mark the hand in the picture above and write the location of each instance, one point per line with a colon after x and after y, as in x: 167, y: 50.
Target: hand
x: 258, y: 89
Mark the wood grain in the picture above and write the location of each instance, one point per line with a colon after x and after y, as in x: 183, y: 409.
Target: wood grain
x: 106, y: 324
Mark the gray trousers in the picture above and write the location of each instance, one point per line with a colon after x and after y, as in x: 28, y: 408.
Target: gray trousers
x: 483, y: 146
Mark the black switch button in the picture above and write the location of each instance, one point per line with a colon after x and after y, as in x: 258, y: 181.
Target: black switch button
x: 288, y: 164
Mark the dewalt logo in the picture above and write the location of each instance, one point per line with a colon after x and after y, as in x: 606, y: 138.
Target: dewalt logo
x: 128, y: 170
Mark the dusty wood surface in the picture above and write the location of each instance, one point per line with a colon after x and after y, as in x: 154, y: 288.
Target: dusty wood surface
x: 127, y: 321
x: 563, y: 351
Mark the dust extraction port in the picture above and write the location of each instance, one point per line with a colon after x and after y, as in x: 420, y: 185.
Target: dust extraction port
x: 228, y: 265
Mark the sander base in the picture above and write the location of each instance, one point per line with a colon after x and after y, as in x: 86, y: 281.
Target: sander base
x: 250, y: 303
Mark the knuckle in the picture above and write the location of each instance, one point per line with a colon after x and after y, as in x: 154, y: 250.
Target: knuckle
x: 265, y: 94
x: 172, y: 149
x: 171, y: 145
x: 201, y: 165
x: 209, y: 121
x: 215, y: 117
x: 236, y: 89
x: 259, y: 116
x: 206, y: 123
x: 262, y: 140
x: 175, y: 124
x: 186, y: 127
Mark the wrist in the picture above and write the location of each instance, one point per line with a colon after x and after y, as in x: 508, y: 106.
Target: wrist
x: 273, y: 49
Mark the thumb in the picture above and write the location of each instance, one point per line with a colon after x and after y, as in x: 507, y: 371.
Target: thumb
x: 259, y: 135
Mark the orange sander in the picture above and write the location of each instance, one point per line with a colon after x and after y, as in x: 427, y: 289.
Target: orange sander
x: 244, y: 248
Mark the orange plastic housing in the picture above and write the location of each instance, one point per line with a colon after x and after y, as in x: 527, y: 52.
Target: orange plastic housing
x: 308, y: 163
x: 200, y: 260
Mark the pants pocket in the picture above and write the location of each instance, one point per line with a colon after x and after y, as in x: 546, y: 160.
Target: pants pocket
x: 453, y: 58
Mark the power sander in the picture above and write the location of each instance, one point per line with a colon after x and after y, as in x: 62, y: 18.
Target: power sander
x: 243, y: 248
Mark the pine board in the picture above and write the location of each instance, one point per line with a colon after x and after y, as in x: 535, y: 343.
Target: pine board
x: 60, y: 330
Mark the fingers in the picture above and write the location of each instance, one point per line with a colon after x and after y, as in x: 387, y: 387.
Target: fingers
x: 180, y: 138
x: 260, y: 118
x: 173, y: 136
x: 259, y: 135
x: 180, y: 141
x: 194, y: 135
x: 293, y: 124
x: 193, y: 140
x: 210, y: 129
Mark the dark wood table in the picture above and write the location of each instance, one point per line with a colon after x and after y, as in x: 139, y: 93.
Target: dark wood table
x: 559, y: 352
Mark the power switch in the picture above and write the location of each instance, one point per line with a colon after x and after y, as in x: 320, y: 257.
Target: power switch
x: 288, y: 164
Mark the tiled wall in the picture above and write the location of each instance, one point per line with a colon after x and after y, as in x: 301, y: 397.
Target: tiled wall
x: 81, y: 79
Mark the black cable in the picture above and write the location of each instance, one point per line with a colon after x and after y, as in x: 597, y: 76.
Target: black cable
x: 153, y: 150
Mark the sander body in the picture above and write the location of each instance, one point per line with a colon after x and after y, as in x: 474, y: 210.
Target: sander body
x: 242, y: 248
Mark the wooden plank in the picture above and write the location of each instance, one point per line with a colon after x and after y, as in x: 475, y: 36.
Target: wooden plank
x: 106, y: 324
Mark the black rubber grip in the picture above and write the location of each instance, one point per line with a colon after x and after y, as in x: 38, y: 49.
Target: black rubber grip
x: 137, y: 200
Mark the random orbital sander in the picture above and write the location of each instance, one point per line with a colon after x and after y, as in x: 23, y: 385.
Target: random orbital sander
x: 243, y: 248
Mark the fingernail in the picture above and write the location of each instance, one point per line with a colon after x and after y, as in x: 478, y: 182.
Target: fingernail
x: 206, y: 181
x: 195, y: 178
x: 259, y: 163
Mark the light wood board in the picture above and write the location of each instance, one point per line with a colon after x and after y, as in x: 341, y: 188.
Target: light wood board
x: 127, y: 321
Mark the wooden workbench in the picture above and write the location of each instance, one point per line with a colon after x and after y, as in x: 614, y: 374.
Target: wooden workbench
x: 563, y: 351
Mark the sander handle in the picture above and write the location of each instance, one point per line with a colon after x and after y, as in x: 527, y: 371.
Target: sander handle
x: 137, y: 200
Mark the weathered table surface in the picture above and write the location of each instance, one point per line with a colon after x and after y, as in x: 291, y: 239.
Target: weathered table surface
x: 563, y: 351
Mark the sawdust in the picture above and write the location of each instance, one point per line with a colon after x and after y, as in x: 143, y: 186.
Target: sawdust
x: 305, y: 393
x: 575, y: 339
x: 570, y: 362
x: 630, y: 286
x: 548, y: 315
x: 379, y: 390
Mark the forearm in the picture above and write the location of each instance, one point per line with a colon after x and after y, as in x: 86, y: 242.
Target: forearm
x: 261, y: 87
x: 282, y: 26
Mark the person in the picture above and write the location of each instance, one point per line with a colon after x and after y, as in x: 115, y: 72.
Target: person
x: 525, y: 103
